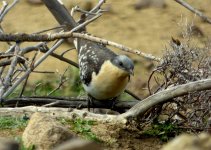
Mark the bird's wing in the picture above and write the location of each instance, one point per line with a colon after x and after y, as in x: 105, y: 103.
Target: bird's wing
x: 91, y: 57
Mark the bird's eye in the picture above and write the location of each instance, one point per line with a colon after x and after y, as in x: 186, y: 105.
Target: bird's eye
x: 120, y: 63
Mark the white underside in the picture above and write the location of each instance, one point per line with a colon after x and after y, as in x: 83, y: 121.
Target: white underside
x: 99, y: 93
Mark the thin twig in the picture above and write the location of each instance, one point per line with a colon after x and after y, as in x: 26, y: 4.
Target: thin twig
x: 63, y: 53
x: 37, y: 63
x: 63, y: 79
x: 43, y: 50
x: 194, y: 10
x: 7, y: 81
x: 11, y: 49
x: 132, y: 94
x: 86, y: 23
x: 5, y: 4
x: 8, y: 9
x: 26, y: 80
x: 46, y: 30
x: 97, y: 7
x: 8, y: 62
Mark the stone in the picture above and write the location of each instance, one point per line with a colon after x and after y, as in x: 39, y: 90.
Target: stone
x: 35, y: 1
x: 7, y: 144
x: 140, y: 4
x: 45, y: 132
x: 78, y: 144
x: 189, y: 142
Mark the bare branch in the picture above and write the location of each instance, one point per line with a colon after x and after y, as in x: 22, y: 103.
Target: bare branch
x: 5, y: 4
x: 8, y: 9
x: 7, y: 81
x: 37, y: 63
x: 135, y: 111
x: 63, y: 79
x: 165, y: 95
x: 97, y: 7
x: 132, y: 94
x: 8, y: 62
x: 194, y: 10
x: 51, y: 37
x: 67, y: 102
x: 120, y: 46
x: 27, y: 77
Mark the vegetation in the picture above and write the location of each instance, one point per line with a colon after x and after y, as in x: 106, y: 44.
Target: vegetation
x: 82, y: 127
x: 67, y: 84
x: 22, y: 147
x: 12, y: 123
x: 164, y: 131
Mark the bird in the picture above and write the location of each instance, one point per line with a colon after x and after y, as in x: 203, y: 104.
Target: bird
x: 103, y: 73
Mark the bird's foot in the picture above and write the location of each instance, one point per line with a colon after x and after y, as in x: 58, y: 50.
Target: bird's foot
x: 114, y: 101
x: 89, y: 102
x: 2, y: 102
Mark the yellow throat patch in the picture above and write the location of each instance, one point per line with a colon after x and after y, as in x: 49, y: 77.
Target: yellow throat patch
x: 110, y: 82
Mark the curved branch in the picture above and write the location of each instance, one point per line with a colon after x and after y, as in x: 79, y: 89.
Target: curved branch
x: 163, y: 96
x: 134, y: 112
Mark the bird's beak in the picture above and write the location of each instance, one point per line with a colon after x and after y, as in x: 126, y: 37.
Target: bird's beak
x: 131, y: 72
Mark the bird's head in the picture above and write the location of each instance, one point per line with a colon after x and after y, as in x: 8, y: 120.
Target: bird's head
x: 123, y: 62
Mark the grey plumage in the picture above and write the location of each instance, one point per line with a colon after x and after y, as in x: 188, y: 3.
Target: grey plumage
x: 123, y: 62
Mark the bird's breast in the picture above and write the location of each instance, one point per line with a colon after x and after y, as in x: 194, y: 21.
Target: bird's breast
x: 110, y: 82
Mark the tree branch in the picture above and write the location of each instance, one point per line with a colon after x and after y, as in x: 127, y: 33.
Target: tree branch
x: 8, y: 79
x: 7, y: 9
x: 37, y: 63
x: 137, y: 110
x: 194, y: 10
x: 165, y: 95
x: 55, y: 36
x: 69, y: 102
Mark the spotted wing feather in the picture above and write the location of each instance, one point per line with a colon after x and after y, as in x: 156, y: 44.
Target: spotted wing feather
x: 91, y: 56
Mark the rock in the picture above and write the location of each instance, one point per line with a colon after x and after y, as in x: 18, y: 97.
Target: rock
x: 189, y: 142
x: 208, y: 126
x: 35, y: 1
x: 78, y: 144
x: 44, y: 132
x: 195, y: 31
x: 140, y: 4
x: 6, y: 144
